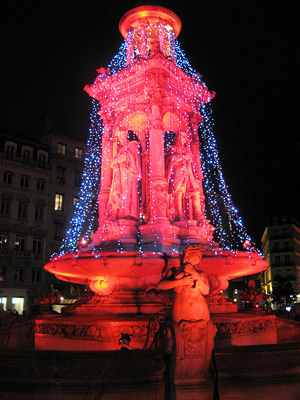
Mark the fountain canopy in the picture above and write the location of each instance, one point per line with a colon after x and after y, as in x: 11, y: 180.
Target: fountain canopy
x: 151, y: 202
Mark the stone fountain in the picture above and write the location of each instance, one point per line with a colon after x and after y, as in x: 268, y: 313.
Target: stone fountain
x: 152, y: 262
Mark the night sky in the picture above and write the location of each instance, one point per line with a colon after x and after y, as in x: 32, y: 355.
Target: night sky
x: 244, y: 51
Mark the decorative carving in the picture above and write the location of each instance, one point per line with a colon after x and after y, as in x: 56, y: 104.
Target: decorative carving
x: 194, y: 338
x: 244, y: 326
x: 94, y: 331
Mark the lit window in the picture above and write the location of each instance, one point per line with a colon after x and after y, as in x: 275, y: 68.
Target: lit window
x: 7, y: 177
x: 62, y: 148
x: 78, y: 153
x: 59, y: 202
x: 18, y: 304
x: 24, y: 181
x: 3, y: 301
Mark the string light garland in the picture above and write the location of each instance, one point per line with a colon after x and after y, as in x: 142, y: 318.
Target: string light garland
x: 229, y: 232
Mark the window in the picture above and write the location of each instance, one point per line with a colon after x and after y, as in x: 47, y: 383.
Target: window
x: 287, y: 259
x: 3, y: 240
x: 60, y: 174
x: 10, y: 151
x: 78, y: 153
x: 3, y: 301
x: 2, y: 273
x: 62, y: 148
x: 38, y: 213
x: 77, y: 180
x: 19, y: 274
x: 26, y: 155
x: 5, y: 207
x: 40, y: 185
x: 37, y: 247
x: 59, y: 231
x: 24, y: 181
x: 36, y: 275
x: 277, y: 260
x: 276, y: 246
x: 18, y: 304
x: 59, y: 202
x: 7, y: 177
x: 20, y: 242
x: 22, y: 209
x: 42, y: 160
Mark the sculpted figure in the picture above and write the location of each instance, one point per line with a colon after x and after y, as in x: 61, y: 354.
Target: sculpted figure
x: 123, y: 198
x: 190, y: 285
x: 184, y: 188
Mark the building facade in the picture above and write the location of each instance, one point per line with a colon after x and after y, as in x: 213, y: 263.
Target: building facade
x: 39, y: 182
x: 281, y: 248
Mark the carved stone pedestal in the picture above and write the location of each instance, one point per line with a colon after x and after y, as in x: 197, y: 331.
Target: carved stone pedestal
x: 121, y: 230
x: 160, y: 235
x: 194, y: 346
x: 190, y: 232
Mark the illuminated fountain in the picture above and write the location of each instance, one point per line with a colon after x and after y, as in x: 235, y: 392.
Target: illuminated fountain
x: 152, y: 202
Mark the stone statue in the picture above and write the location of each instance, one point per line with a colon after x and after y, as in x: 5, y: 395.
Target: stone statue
x: 190, y: 285
x: 184, y: 188
x: 123, y: 198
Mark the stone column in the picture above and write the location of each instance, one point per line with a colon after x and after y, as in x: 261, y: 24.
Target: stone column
x: 158, y: 233
x: 105, y: 168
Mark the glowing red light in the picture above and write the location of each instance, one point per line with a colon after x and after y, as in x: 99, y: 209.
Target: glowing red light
x: 246, y: 244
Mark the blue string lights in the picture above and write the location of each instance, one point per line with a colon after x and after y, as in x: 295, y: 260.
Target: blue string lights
x: 86, y: 207
x: 230, y: 232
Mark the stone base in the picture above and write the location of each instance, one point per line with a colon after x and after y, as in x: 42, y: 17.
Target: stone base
x: 194, y: 346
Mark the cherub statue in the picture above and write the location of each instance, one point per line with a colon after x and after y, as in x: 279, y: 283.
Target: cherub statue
x: 190, y: 285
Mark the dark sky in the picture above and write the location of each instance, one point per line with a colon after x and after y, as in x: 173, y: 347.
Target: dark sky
x: 244, y: 50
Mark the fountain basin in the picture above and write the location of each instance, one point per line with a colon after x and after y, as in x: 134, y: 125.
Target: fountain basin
x: 138, y: 271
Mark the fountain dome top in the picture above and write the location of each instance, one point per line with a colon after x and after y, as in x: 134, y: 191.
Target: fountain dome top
x: 149, y: 15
